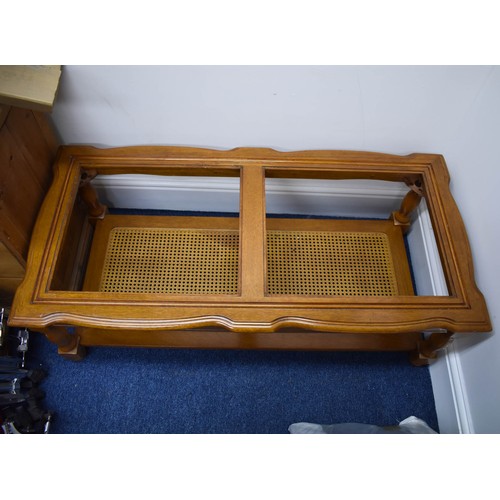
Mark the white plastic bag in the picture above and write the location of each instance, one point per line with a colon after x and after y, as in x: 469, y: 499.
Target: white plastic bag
x: 410, y: 425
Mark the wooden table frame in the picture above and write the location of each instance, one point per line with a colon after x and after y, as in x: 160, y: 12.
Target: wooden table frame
x: 252, y: 318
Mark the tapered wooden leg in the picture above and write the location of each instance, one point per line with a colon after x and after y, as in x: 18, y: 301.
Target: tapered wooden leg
x: 68, y: 344
x: 76, y: 354
x: 427, y: 349
x: 402, y: 217
x: 96, y: 209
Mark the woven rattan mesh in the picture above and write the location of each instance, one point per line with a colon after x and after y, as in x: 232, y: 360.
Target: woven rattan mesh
x: 190, y: 261
x: 183, y: 261
x: 330, y: 263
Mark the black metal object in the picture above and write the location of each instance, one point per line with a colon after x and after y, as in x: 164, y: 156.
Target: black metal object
x: 21, y: 411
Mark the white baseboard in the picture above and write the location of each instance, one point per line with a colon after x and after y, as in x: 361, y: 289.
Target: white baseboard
x: 460, y: 400
x: 450, y: 396
x: 340, y: 198
x: 216, y: 194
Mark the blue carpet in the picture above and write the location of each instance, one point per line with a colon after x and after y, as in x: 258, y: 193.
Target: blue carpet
x: 125, y: 390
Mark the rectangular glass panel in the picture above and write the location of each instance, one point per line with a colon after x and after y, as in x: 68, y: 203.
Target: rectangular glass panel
x: 329, y: 237
x: 161, y: 234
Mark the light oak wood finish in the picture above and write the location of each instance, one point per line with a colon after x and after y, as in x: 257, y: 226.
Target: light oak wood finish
x: 88, y: 195
x: 402, y: 217
x: 252, y: 318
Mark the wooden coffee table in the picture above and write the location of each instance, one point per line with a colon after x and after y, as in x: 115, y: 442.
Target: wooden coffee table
x: 248, y: 282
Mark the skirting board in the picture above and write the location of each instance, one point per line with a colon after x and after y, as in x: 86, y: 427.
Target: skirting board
x: 450, y: 396
x: 374, y: 199
x: 342, y: 198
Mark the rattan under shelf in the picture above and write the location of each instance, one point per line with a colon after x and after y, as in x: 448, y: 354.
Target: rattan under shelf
x: 163, y: 254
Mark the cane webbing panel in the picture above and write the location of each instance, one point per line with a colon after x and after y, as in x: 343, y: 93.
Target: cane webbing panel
x: 156, y: 260
x: 330, y: 263
x: 205, y: 261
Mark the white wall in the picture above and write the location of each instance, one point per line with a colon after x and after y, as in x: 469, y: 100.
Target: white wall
x: 440, y: 109
x: 389, y: 109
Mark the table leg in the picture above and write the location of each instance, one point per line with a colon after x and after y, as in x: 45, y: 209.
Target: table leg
x: 96, y: 209
x: 68, y: 344
x: 427, y: 349
x: 402, y: 217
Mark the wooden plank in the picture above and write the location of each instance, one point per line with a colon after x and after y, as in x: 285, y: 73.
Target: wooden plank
x: 21, y: 194
x: 8, y: 287
x: 32, y: 87
x: 48, y: 131
x: 28, y: 140
x: 220, y: 339
x: 4, y: 112
x: 252, y: 233
x: 27, y: 151
x: 9, y: 266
